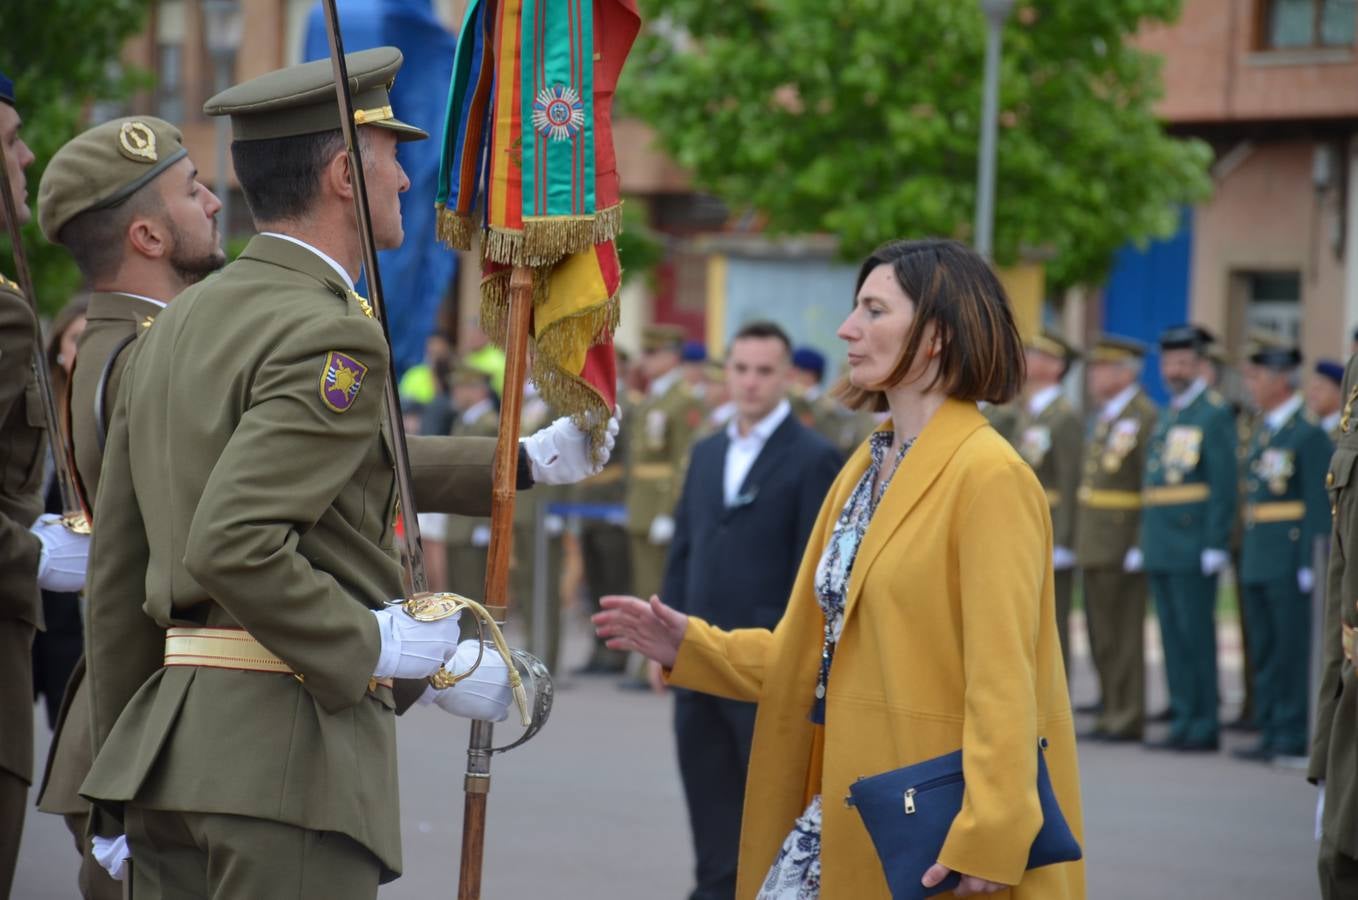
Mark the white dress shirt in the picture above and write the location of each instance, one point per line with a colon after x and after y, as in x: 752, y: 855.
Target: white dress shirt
x: 476, y: 411
x: 301, y: 243
x: 1042, y: 399
x: 662, y: 384
x: 1281, y: 414
x: 1181, y: 401
x: 743, y: 450
x: 1113, y: 408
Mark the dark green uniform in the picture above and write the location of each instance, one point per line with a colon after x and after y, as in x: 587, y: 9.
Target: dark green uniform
x: 23, y: 447
x: 466, y: 554
x: 1334, y: 748
x: 823, y: 414
x: 248, y: 483
x: 1190, y: 499
x: 1115, y: 600
x: 1286, y: 510
x: 1052, y: 443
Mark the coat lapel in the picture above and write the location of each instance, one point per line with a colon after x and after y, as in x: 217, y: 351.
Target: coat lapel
x: 774, y: 449
x: 954, y: 422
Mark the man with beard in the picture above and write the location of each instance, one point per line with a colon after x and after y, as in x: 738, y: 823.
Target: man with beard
x: 125, y: 200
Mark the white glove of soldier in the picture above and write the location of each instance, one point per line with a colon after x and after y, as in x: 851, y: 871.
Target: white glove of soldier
x: 411, y: 648
x: 1062, y: 558
x: 560, y: 453
x: 553, y: 525
x: 112, y: 854
x: 662, y: 530
x: 481, y: 536
x: 62, y: 564
x: 1320, y: 809
x: 1213, y: 561
x: 484, y: 694
x: 1306, y: 580
x: 1133, y: 561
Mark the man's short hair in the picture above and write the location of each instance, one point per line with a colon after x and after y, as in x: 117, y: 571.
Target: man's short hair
x: 95, y: 238
x: 280, y: 177
x: 765, y: 330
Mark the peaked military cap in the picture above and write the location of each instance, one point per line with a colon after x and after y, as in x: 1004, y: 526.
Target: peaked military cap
x: 102, y: 167
x: 809, y: 359
x: 465, y: 373
x: 301, y: 99
x: 1052, y: 344
x: 1115, y: 348
x: 1186, y: 337
x: 1328, y: 368
x: 1273, y: 352
x: 662, y: 337
x: 6, y: 89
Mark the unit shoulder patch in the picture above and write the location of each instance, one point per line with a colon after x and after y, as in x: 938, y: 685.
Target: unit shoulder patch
x: 341, y: 378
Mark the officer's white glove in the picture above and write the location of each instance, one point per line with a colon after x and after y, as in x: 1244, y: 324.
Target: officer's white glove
x: 411, y: 648
x: 1133, y: 561
x: 62, y: 564
x: 112, y: 854
x: 1306, y: 580
x: 1213, y: 561
x: 553, y: 525
x: 481, y: 536
x: 662, y: 530
x: 1320, y: 808
x: 560, y: 453
x: 484, y: 694
x: 1062, y: 558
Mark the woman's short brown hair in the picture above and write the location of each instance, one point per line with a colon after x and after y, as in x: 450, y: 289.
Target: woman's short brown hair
x: 952, y: 287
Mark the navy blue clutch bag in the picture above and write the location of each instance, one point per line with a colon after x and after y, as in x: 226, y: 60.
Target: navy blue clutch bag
x: 908, y: 813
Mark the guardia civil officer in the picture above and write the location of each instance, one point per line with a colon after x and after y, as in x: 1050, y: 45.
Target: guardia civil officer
x: 244, y: 669
x: 1286, y: 511
x: 1190, y: 496
x: 33, y: 555
x: 1106, y: 543
x: 125, y: 201
x: 1334, y: 748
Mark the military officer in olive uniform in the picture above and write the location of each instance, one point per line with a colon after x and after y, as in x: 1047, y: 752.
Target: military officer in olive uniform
x: 467, y: 538
x: 244, y: 668
x: 124, y: 199
x: 1190, y: 498
x: 1048, y: 434
x: 1286, y: 512
x: 817, y: 409
x: 1106, y: 546
x: 1334, y: 747
x: 660, y: 430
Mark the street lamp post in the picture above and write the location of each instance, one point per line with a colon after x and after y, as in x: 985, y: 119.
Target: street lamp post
x: 996, y: 12
x: 222, y: 30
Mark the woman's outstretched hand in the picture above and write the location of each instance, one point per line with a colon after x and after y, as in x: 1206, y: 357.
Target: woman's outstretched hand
x: 969, y: 885
x: 652, y: 629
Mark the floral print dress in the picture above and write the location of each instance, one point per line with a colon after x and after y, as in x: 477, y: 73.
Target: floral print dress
x: 795, y: 874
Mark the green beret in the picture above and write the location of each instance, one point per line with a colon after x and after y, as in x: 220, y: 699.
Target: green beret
x: 103, y: 167
x: 301, y: 99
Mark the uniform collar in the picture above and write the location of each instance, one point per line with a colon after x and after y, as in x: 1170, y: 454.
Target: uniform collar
x: 1038, y: 403
x: 476, y: 411
x: 762, y: 429
x: 661, y: 385
x: 1194, y: 391
x: 1280, y: 416
x: 122, y: 305
x: 1114, y: 408
x: 299, y: 256
x: 1331, y: 422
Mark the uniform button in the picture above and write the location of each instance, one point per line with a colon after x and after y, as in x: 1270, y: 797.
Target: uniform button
x: 1329, y: 479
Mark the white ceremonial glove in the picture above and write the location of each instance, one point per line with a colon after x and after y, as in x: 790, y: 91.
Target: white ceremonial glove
x: 62, y: 564
x: 1306, y: 580
x: 481, y: 536
x: 662, y: 530
x: 560, y: 453
x: 1320, y: 808
x: 112, y: 854
x: 484, y: 694
x: 553, y: 525
x: 1213, y: 561
x: 411, y: 648
x: 1062, y: 558
x: 1133, y: 561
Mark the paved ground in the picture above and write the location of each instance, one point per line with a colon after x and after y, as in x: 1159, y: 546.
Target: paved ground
x: 592, y: 810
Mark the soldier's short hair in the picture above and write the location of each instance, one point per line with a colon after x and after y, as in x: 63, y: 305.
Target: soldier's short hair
x: 95, y: 237
x: 956, y: 291
x: 280, y: 177
x: 764, y: 330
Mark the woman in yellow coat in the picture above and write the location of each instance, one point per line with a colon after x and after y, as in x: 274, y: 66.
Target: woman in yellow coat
x: 922, y: 619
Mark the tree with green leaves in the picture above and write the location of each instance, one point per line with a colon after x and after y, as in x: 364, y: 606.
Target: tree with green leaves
x: 861, y: 118
x: 63, y: 58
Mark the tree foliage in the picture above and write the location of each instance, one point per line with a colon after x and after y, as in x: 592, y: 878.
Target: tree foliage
x: 63, y: 58
x: 861, y: 118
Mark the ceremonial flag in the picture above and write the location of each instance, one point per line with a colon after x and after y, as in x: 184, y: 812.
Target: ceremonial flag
x: 528, y: 165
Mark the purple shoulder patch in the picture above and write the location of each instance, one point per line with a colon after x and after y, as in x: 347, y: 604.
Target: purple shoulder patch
x: 340, y: 381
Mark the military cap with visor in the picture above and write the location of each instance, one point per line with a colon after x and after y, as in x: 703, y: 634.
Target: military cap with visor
x: 102, y: 167
x: 1274, y: 353
x: 300, y: 100
x: 1049, y: 342
x: 1112, y: 348
x: 1186, y: 337
x: 662, y: 337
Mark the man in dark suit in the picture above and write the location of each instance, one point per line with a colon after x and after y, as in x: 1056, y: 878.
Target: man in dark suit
x: 751, y: 496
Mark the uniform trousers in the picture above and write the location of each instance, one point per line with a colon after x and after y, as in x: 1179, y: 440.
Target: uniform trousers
x: 209, y: 856
x: 607, y: 558
x: 648, y: 574
x: 1115, y: 602
x: 714, y: 737
x: 1280, y: 643
x: 1184, y: 604
x: 16, y: 740
x: 95, y: 883
x: 13, y: 805
x: 521, y: 586
x: 1065, y: 587
x: 1247, y: 662
x: 1338, y: 872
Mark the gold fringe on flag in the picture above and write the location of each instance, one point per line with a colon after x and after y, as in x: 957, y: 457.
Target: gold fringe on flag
x: 454, y: 230
x: 545, y: 240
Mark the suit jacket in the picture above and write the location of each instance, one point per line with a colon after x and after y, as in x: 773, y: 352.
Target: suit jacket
x: 1110, y: 491
x: 734, y: 565
x: 248, y: 483
x: 949, y: 640
x: 1052, y: 442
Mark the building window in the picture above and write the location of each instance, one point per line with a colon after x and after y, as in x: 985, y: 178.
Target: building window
x: 1274, y: 300
x: 1307, y: 24
x: 170, y: 82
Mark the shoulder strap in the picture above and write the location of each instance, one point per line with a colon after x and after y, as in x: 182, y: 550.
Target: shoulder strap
x: 101, y: 408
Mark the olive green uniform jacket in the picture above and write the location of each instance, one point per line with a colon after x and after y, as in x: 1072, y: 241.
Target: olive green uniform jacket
x: 1052, y: 443
x: 460, y: 528
x: 1110, y: 490
x: 248, y: 483
x: 659, y: 432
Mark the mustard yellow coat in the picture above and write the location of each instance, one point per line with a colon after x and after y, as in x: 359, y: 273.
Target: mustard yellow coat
x: 949, y: 641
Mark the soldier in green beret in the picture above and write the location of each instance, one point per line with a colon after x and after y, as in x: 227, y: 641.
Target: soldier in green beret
x: 244, y: 666
x: 1190, y: 496
x: 1286, y: 512
x: 125, y: 200
x: 1106, y: 543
